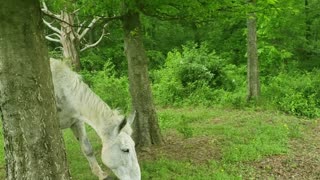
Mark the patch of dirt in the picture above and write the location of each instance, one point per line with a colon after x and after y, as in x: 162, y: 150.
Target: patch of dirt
x: 303, y: 161
x: 216, y: 121
x: 282, y: 167
x: 198, y: 150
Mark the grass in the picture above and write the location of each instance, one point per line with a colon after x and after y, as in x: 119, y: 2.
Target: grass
x: 244, y: 136
x: 241, y: 138
x: 78, y: 164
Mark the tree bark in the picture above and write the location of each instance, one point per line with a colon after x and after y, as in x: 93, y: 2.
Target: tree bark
x: 308, y: 20
x: 253, y: 65
x: 70, y: 41
x: 146, y: 128
x: 308, y: 34
x: 34, y: 146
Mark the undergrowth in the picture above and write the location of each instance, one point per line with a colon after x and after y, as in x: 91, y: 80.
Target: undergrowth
x: 244, y: 136
x: 197, y: 76
x: 241, y: 136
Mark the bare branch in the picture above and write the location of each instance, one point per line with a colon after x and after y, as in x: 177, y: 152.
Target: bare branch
x: 59, y: 19
x: 97, y: 42
x: 80, y: 27
x: 53, y: 39
x: 85, y: 31
x: 51, y: 27
x: 114, y: 17
x: 59, y: 48
x: 45, y: 10
x: 75, y: 11
x: 55, y: 34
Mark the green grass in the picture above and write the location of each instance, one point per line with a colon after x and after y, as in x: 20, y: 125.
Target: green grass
x: 170, y: 169
x: 242, y: 137
x: 79, y: 167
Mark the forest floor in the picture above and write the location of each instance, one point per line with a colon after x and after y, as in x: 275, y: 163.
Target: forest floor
x: 301, y: 161
x: 219, y: 143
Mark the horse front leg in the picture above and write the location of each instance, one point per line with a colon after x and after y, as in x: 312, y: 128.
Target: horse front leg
x: 79, y: 131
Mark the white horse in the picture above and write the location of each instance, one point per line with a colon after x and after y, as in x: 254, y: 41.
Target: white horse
x: 76, y: 105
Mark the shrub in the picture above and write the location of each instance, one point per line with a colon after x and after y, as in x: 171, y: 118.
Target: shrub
x: 193, y: 76
x: 274, y: 60
x: 295, y: 93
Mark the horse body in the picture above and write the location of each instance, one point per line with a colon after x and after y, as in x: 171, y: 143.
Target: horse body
x: 76, y: 105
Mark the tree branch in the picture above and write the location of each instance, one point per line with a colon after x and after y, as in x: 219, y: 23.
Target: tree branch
x: 45, y: 10
x: 59, y: 48
x: 51, y: 27
x: 108, y: 19
x: 85, y: 31
x: 97, y: 42
x: 80, y: 27
x: 59, y: 19
x: 53, y: 39
x: 55, y: 34
x: 75, y: 11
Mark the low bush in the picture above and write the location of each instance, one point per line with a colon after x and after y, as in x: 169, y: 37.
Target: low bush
x: 195, y: 76
x: 295, y: 93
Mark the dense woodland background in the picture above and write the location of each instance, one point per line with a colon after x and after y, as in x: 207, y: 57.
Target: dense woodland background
x: 197, y: 53
x: 197, y: 65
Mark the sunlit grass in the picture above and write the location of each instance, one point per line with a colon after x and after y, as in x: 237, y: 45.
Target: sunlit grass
x: 243, y: 136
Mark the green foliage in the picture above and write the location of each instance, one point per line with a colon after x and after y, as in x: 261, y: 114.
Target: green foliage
x: 92, y: 61
x: 273, y: 60
x: 295, y: 93
x: 156, y: 59
x: 192, y: 76
x: 111, y: 50
x: 214, y: 72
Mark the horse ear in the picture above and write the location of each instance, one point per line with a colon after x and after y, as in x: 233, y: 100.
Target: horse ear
x: 122, y: 124
x: 131, y: 117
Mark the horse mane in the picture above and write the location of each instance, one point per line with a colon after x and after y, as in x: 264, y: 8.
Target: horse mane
x: 84, y: 99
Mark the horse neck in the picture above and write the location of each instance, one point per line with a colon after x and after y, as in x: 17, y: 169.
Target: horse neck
x: 94, y: 111
x: 90, y: 107
x: 99, y: 119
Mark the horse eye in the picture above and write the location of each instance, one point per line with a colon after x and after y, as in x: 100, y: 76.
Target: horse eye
x: 125, y: 150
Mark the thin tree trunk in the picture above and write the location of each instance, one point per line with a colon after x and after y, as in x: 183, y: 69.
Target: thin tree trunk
x: 308, y: 20
x: 146, y: 128
x: 196, y: 34
x: 70, y: 41
x: 34, y: 147
x: 308, y: 35
x: 253, y: 65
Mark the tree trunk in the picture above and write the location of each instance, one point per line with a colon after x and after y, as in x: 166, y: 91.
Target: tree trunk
x: 146, y: 128
x: 34, y: 146
x: 308, y: 20
x: 197, y: 34
x: 70, y: 41
x: 253, y: 65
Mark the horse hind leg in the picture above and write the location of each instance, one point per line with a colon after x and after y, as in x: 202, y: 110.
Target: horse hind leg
x: 79, y: 131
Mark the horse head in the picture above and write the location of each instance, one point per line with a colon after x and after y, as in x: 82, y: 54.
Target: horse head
x: 119, y: 154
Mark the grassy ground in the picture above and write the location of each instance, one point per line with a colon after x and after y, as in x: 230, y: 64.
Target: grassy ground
x: 218, y: 143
